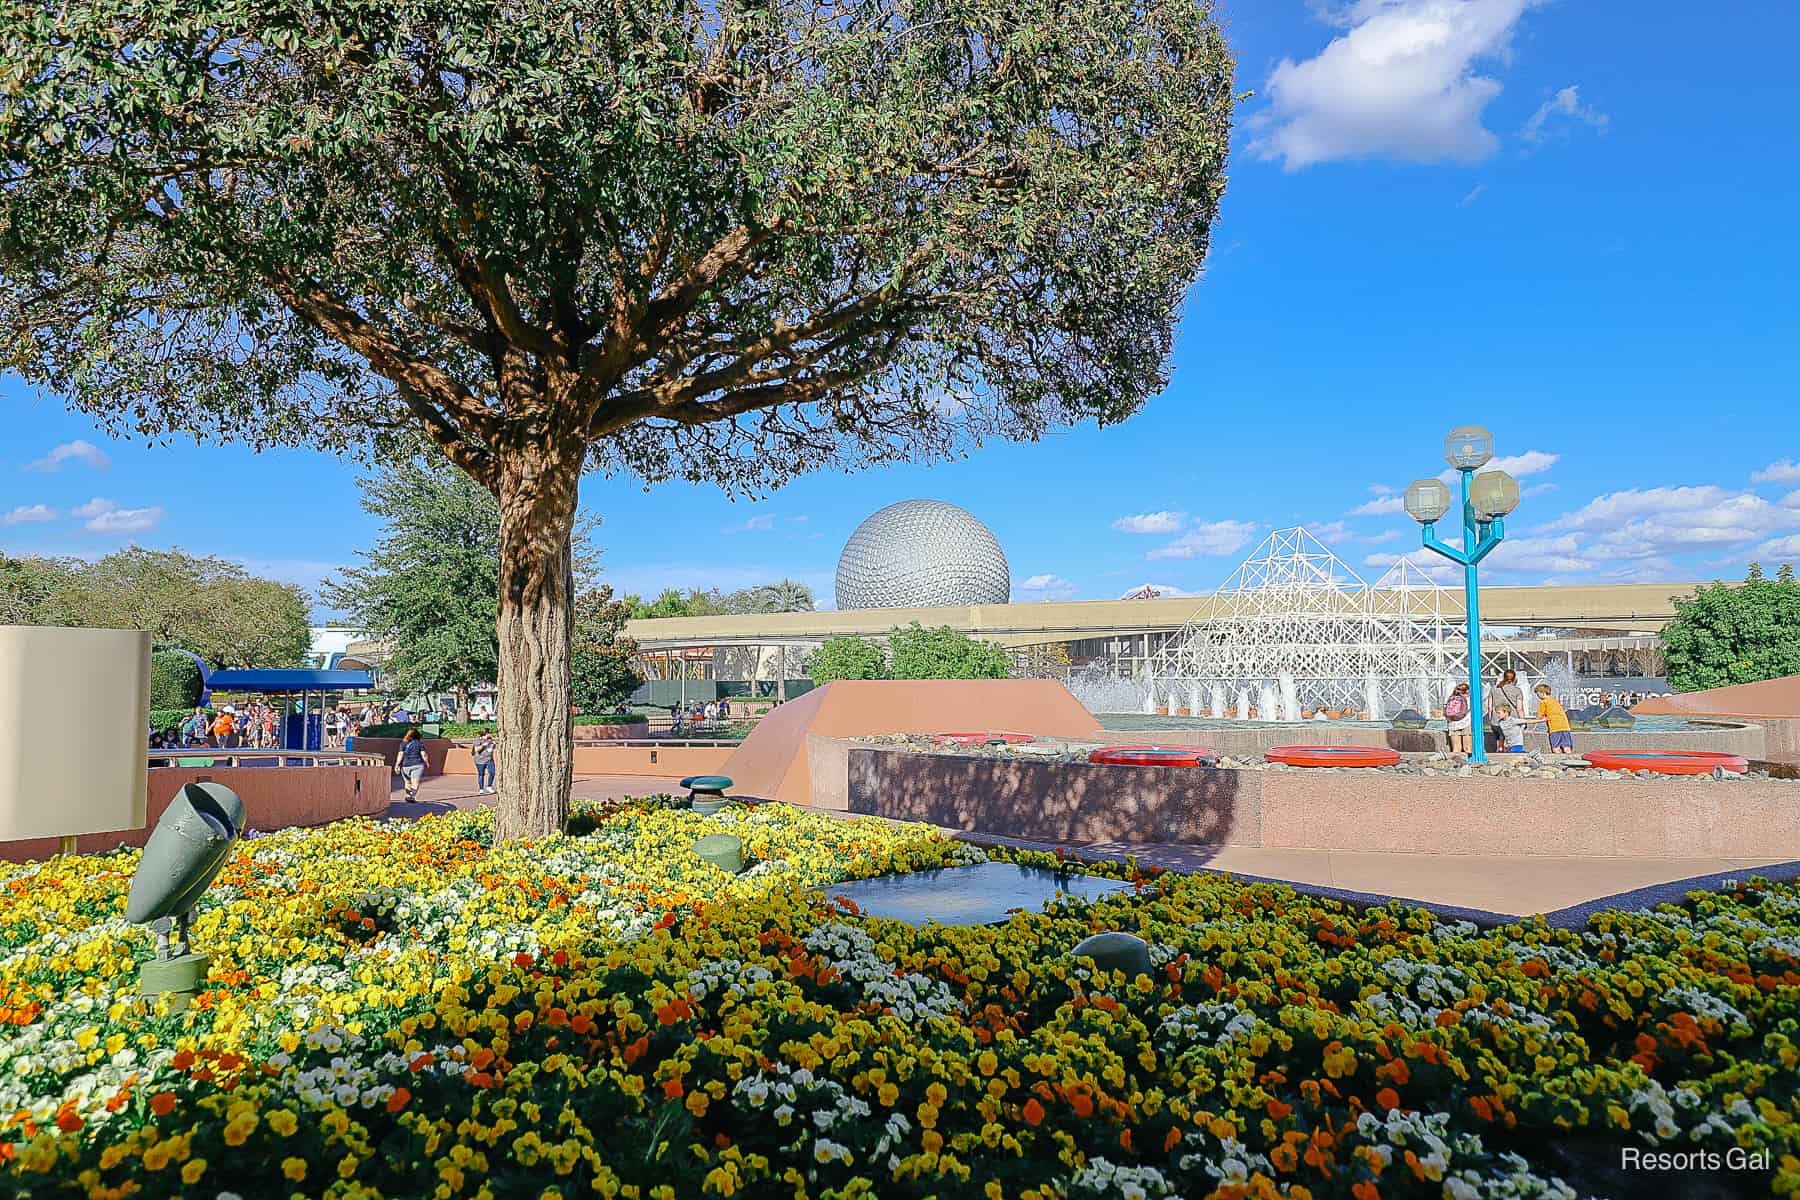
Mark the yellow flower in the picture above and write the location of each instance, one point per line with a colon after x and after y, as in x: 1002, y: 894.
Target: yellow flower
x: 283, y: 1122
x: 190, y: 1174
x: 294, y: 1168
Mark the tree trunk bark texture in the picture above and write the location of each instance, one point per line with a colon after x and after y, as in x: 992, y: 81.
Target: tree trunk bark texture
x: 535, y: 750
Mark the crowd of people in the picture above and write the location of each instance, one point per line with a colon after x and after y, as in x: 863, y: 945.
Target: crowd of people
x: 257, y: 725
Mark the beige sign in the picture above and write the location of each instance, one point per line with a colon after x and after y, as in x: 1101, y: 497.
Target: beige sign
x: 74, y: 719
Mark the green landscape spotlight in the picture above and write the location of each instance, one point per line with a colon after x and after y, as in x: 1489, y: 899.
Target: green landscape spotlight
x: 187, y: 848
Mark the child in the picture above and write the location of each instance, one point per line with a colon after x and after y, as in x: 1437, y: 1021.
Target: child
x: 1512, y: 730
x: 1555, y: 721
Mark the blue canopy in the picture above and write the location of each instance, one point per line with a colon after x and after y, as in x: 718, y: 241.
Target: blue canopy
x: 290, y: 681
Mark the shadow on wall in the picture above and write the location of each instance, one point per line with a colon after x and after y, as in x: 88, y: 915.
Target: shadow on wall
x: 1058, y: 802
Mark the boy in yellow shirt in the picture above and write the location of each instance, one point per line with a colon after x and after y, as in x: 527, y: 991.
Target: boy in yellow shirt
x: 1555, y: 721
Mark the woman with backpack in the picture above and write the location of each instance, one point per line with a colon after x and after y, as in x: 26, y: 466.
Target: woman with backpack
x: 1456, y: 718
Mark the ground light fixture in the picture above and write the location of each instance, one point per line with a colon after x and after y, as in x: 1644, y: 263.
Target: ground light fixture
x: 191, y: 842
x: 1486, y: 499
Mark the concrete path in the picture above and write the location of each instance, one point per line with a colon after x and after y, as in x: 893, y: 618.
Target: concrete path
x: 1484, y: 889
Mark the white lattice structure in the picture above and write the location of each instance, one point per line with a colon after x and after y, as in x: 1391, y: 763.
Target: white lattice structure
x: 1296, y: 627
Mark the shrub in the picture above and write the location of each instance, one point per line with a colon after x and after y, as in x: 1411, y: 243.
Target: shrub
x: 174, y: 680
x: 167, y: 721
x: 943, y: 653
x: 847, y: 658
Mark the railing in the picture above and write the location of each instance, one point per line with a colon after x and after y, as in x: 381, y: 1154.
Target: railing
x: 200, y: 756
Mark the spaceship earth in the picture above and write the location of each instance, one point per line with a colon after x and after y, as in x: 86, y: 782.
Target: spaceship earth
x: 920, y: 554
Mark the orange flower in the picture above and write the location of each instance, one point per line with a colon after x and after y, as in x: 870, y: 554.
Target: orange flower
x: 1366, y: 1190
x: 68, y: 1120
x: 183, y: 1060
x: 1279, y: 1111
x: 1034, y: 1112
x: 1387, y: 1097
x: 1082, y: 1103
x: 1171, y: 1140
x: 398, y: 1100
x: 672, y: 1089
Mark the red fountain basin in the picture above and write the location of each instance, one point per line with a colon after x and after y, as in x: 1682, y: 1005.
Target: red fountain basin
x: 1154, y: 756
x: 1333, y: 756
x: 1666, y: 762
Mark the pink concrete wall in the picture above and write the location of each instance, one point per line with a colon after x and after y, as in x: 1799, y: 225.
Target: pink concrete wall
x: 773, y: 762
x: 274, y: 798
x: 674, y: 761
x: 1726, y: 737
x: 612, y: 733
x: 1328, y: 810
x: 436, y: 749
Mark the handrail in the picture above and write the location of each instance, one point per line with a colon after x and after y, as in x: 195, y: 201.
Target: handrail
x: 235, y: 758
x: 633, y: 743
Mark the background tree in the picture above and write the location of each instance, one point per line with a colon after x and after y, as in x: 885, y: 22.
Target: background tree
x: 430, y: 586
x: 722, y: 241
x: 784, y: 595
x: 1735, y: 634
x: 215, y: 608
x: 943, y: 653
x: 602, y: 659
x: 847, y: 658
x: 672, y: 603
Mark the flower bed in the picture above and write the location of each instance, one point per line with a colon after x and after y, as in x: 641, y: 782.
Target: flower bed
x: 403, y: 1011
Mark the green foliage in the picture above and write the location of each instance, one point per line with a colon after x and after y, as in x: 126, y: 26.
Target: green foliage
x: 847, y: 658
x: 1725, y: 634
x: 785, y: 595
x: 167, y: 721
x: 215, y: 608
x: 174, y: 680
x: 602, y: 662
x: 943, y: 653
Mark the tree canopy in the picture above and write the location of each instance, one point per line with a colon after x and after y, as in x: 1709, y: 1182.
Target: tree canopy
x: 784, y: 595
x: 847, y: 657
x: 602, y: 658
x: 216, y: 609
x: 725, y: 241
x: 1740, y: 633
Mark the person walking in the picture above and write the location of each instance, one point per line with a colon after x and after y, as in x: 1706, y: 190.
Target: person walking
x: 1507, y: 693
x: 411, y: 763
x: 224, y: 729
x: 1456, y: 718
x: 1555, y: 720
x: 483, y: 753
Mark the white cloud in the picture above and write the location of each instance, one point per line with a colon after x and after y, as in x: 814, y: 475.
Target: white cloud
x: 761, y: 523
x: 1331, y: 531
x: 1784, y: 471
x: 1433, y: 566
x: 1532, y: 462
x: 1400, y: 82
x: 77, y: 451
x: 1154, y: 522
x: 1781, y: 545
x: 1538, y: 489
x: 105, y: 516
x: 1386, y: 506
x: 1558, y: 112
x: 1381, y: 489
x: 1207, y: 538
x: 1386, y: 535
x: 1043, y: 583
x: 1474, y: 195
x: 1635, y: 533
x: 29, y: 514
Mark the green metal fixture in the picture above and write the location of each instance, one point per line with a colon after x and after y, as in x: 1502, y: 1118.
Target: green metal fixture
x: 1486, y: 499
x: 188, y: 847
x: 722, y: 851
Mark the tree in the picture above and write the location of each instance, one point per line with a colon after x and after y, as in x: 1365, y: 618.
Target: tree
x: 214, y: 608
x: 943, y: 653
x: 784, y: 595
x: 602, y: 658
x: 175, y: 680
x: 671, y: 603
x: 430, y: 586
x: 1727, y: 634
x: 847, y: 658
x: 722, y: 241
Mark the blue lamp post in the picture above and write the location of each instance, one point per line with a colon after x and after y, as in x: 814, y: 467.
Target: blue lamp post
x: 1486, y: 499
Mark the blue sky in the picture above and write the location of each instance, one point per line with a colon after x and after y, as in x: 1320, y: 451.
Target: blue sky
x: 1571, y: 222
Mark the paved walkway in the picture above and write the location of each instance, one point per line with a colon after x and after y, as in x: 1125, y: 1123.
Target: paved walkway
x: 1482, y: 888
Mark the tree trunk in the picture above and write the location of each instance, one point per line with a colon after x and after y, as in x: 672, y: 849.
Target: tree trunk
x: 536, y: 748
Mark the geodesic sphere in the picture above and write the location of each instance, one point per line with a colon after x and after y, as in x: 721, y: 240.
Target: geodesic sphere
x: 921, y: 554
